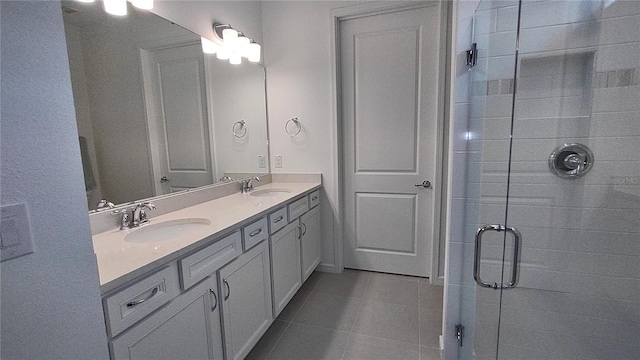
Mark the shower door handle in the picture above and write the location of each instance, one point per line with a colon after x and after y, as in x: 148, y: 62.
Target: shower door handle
x: 478, y: 256
x: 517, y: 244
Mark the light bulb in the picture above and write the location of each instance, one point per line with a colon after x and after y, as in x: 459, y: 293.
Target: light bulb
x: 143, y: 4
x: 241, y: 44
x: 235, y: 59
x: 208, y: 46
x: 223, y: 53
x: 229, y: 35
x: 116, y: 7
x: 253, y: 51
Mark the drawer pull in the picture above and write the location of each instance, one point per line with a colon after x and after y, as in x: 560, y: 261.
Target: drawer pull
x: 257, y: 232
x: 138, y: 302
x: 278, y: 219
x: 314, y: 198
x: 215, y: 300
x: 228, y: 289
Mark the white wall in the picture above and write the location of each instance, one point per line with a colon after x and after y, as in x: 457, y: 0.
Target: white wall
x: 51, y: 305
x: 297, y: 55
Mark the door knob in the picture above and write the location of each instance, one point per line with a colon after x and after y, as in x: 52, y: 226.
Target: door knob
x: 164, y: 179
x: 425, y: 184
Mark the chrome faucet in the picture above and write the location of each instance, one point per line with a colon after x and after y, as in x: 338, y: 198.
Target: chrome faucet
x: 137, y: 217
x: 247, y: 184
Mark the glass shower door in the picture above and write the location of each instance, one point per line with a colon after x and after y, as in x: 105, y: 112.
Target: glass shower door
x: 551, y: 247
x: 574, y: 183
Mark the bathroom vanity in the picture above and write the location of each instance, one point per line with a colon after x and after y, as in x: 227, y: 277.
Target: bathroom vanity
x: 206, y: 281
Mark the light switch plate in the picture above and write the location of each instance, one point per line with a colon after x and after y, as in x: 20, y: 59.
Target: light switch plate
x: 262, y: 161
x: 15, y: 235
x: 278, y: 161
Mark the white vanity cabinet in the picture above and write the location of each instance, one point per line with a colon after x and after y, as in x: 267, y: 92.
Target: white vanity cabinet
x: 310, y: 241
x: 187, y: 328
x: 217, y: 300
x: 245, y: 286
x: 285, y: 265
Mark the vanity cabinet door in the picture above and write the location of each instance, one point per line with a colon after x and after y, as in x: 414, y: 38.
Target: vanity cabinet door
x: 310, y: 244
x: 245, y: 287
x: 285, y: 265
x: 188, y: 327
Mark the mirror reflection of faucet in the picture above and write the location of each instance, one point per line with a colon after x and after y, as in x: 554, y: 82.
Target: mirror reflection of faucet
x: 104, y: 204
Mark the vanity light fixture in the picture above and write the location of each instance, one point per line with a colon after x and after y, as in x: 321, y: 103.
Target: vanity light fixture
x: 208, y: 46
x: 230, y: 44
x: 119, y: 7
x: 116, y: 7
x: 143, y: 4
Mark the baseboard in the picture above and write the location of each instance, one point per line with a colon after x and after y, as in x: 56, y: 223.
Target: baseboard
x: 330, y: 268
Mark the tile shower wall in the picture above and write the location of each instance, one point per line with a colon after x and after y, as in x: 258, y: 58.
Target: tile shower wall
x: 578, y: 81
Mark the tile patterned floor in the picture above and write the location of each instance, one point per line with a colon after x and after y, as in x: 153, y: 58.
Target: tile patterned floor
x: 357, y: 315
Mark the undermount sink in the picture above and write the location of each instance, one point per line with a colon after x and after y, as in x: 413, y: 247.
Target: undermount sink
x: 166, y: 230
x: 268, y: 192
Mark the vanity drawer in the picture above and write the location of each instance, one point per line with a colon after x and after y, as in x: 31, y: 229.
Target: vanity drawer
x: 277, y: 220
x: 314, y: 199
x: 203, y: 263
x: 254, y: 233
x: 298, y: 208
x: 136, y: 301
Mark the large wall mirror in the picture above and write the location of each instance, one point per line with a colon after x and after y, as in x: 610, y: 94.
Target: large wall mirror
x: 155, y: 115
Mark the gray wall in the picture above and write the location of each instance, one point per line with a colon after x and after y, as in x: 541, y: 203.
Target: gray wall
x: 51, y: 298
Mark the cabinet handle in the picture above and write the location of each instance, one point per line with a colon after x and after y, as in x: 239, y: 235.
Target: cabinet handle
x: 314, y: 198
x: 228, y: 289
x: 215, y: 300
x: 278, y: 219
x: 137, y: 302
x: 305, y: 229
x: 299, y: 232
x: 255, y: 232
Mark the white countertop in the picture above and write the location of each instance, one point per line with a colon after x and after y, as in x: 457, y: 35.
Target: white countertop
x: 120, y: 261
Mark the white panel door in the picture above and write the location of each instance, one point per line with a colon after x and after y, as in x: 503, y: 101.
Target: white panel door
x: 389, y: 68
x: 179, y: 123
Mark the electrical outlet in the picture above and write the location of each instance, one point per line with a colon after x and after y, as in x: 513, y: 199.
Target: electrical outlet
x: 262, y: 161
x: 278, y: 161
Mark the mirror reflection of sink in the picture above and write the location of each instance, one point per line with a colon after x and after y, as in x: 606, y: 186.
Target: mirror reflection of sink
x: 164, y: 231
x: 268, y: 192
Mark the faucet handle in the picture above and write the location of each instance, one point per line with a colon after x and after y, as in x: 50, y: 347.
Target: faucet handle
x: 149, y: 205
x: 125, y: 221
x: 143, y: 214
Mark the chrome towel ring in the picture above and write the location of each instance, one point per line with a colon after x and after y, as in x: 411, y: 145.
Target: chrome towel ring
x: 239, y: 129
x: 293, y: 127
